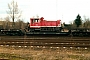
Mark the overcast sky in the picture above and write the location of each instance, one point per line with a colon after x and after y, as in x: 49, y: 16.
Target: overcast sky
x: 66, y: 10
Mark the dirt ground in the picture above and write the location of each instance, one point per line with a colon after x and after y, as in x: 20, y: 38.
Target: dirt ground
x: 44, y: 53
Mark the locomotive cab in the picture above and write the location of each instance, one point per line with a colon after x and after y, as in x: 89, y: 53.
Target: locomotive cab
x: 34, y: 24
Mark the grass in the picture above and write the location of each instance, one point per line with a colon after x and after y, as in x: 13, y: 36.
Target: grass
x: 40, y: 53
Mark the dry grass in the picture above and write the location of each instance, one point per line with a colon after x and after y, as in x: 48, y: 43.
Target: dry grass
x: 40, y: 53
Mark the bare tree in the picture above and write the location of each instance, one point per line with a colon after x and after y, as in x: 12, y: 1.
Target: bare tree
x: 19, y: 24
x: 86, y: 22
x: 7, y: 23
x: 13, y: 12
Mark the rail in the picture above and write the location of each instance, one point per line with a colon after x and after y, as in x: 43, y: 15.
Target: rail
x: 49, y: 42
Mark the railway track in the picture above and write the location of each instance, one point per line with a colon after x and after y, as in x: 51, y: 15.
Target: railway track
x: 45, y: 41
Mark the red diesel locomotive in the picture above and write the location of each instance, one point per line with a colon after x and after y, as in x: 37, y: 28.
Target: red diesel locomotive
x: 39, y: 24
